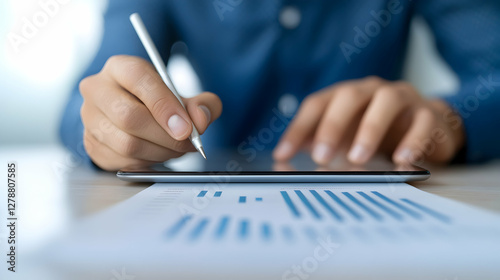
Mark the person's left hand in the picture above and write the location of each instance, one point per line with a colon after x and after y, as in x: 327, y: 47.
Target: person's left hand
x: 371, y: 115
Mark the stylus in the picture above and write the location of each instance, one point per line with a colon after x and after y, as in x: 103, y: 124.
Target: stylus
x: 155, y: 57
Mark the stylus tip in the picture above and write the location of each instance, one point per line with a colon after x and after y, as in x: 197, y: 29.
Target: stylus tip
x: 202, y: 152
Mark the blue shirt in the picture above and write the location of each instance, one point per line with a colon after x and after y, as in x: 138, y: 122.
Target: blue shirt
x: 250, y: 54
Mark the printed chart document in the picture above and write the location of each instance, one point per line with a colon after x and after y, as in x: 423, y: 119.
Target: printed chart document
x: 284, y: 231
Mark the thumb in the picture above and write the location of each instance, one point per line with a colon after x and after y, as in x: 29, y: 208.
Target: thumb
x: 203, y: 109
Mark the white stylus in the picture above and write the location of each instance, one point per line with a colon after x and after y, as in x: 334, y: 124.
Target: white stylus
x: 155, y: 57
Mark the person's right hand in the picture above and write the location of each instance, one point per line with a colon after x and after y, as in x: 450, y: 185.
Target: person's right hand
x: 132, y: 118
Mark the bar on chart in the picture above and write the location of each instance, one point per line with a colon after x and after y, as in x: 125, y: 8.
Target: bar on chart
x: 202, y: 193
x: 384, y: 208
x: 290, y: 204
x: 198, y: 229
x: 311, y: 234
x: 433, y: 213
x: 308, y: 204
x: 222, y: 227
x: 346, y: 207
x: 327, y: 206
x: 266, y: 231
x: 287, y: 232
x: 367, y: 209
x: 398, y: 205
x: 243, y: 230
x: 177, y: 227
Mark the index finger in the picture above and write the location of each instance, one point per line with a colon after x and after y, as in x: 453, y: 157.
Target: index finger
x: 139, y: 77
x: 301, y: 127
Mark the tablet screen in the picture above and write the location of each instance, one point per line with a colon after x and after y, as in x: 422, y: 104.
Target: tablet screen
x: 261, y: 163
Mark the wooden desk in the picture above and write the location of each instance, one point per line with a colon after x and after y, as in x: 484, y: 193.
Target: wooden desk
x: 477, y: 185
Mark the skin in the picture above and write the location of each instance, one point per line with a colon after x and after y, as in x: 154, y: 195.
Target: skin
x: 373, y: 115
x: 132, y: 119
x: 127, y: 114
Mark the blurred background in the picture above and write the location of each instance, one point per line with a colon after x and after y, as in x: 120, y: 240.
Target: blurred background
x: 38, y: 71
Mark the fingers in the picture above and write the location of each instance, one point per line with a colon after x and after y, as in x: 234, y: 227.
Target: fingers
x: 342, y: 109
x: 131, y: 117
x: 126, y: 112
x: 430, y: 137
x: 122, y: 143
x: 203, y: 109
x: 139, y: 77
x: 106, y: 158
x: 303, y: 125
x: 384, y: 111
x: 387, y: 103
x: 417, y: 142
x: 326, y: 116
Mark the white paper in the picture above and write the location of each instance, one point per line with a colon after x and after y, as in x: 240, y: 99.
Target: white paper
x: 286, y: 231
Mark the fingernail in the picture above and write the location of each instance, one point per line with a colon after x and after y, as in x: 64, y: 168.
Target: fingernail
x: 403, y: 155
x: 207, y: 113
x: 178, y: 126
x: 358, y: 154
x: 283, y: 150
x: 321, y: 153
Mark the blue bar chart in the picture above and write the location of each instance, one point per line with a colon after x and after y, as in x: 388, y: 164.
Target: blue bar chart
x: 329, y: 229
x: 326, y: 211
x: 367, y: 204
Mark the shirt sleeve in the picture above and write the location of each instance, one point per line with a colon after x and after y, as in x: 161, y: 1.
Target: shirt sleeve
x: 119, y: 37
x: 467, y: 35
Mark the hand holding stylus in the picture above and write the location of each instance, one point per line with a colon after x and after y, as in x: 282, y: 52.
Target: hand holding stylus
x: 131, y: 117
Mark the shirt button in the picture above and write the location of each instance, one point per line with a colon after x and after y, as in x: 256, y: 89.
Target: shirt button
x: 290, y: 17
x: 288, y: 104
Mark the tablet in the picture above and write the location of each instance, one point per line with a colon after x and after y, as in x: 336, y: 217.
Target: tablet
x: 227, y: 166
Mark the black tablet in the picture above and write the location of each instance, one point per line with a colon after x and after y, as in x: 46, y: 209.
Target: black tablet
x: 224, y: 166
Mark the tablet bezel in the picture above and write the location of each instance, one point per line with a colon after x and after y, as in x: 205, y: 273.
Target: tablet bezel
x: 274, y: 176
